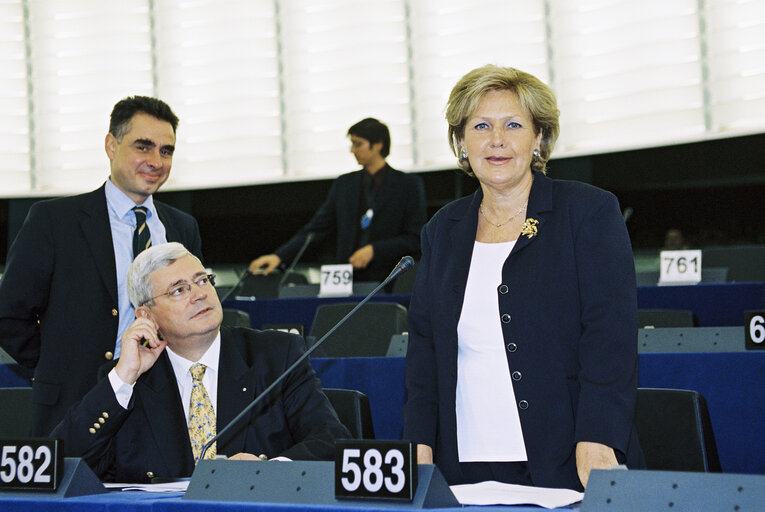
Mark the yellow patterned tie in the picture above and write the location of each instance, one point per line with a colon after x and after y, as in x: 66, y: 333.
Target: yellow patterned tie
x: 201, y: 414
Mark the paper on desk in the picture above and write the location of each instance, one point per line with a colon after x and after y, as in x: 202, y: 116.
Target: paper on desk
x: 166, y: 487
x: 497, y: 493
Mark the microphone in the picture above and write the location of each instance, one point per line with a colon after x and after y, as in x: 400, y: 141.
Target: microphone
x: 236, y: 286
x: 297, y: 257
x: 402, y: 266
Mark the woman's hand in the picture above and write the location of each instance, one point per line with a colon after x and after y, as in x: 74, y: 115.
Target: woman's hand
x: 424, y: 454
x: 591, y: 456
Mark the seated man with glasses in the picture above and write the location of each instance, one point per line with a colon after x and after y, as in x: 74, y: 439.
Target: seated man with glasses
x: 181, y: 378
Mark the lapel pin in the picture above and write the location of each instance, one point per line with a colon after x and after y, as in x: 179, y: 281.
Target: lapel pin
x: 529, y: 227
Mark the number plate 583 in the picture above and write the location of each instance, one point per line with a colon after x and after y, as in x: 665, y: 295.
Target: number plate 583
x: 371, y: 469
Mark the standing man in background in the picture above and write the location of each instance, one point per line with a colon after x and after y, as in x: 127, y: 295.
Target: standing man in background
x: 63, y: 297
x: 377, y: 213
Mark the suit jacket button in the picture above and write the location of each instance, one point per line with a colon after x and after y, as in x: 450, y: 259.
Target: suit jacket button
x: 114, y: 312
x: 150, y: 474
x: 96, y: 426
x: 517, y: 375
x: 92, y: 430
x: 505, y: 318
x: 503, y: 289
x: 105, y: 415
x: 109, y: 355
x: 523, y: 404
x: 512, y: 347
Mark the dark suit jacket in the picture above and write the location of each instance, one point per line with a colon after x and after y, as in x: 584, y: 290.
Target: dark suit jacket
x: 61, y: 272
x: 151, y: 436
x: 395, y: 229
x: 569, y: 294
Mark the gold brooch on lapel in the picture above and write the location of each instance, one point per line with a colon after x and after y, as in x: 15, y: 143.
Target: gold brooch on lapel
x: 529, y: 227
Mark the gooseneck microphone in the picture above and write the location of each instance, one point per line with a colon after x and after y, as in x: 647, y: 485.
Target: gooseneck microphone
x: 402, y: 266
x: 295, y: 260
x: 236, y: 286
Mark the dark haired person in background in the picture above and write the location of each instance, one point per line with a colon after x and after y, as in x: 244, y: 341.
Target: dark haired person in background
x: 376, y: 213
x: 63, y: 301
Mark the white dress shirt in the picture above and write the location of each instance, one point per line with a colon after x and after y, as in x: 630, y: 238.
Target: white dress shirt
x: 181, y: 368
x: 122, y: 223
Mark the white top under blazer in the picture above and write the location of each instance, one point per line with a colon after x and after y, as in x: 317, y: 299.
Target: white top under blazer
x: 488, y: 424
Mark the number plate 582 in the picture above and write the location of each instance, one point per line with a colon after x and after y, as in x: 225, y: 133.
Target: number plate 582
x: 30, y: 464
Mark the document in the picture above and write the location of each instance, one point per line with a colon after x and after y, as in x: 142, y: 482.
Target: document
x: 497, y: 493
x: 164, y: 487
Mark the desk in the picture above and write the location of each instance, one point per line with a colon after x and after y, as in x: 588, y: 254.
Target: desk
x: 130, y: 501
x: 733, y: 384
x: 715, y: 304
x: 297, y: 310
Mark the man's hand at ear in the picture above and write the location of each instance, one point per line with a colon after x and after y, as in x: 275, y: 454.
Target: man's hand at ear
x: 135, y: 359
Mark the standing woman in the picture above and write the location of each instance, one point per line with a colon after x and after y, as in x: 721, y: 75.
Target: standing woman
x: 522, y: 361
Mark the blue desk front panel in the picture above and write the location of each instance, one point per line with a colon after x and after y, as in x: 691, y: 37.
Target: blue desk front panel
x: 715, y: 305
x: 380, y: 378
x: 733, y: 384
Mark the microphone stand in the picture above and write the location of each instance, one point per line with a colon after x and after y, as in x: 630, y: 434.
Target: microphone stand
x: 297, y: 257
x: 405, y: 264
x: 236, y: 286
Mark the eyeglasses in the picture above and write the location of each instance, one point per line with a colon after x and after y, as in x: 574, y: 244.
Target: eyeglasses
x: 182, y: 291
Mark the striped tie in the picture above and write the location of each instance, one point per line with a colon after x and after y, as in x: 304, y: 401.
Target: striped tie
x: 141, y: 235
x: 201, y: 415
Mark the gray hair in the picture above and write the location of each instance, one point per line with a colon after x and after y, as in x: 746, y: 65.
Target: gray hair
x: 154, y: 258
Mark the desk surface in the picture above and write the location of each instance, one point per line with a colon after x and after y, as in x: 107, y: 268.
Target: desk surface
x: 131, y: 501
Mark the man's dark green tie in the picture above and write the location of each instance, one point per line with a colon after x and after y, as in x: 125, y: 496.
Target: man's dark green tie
x: 141, y: 235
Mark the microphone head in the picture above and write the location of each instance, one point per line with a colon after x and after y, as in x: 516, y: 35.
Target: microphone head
x: 406, y: 263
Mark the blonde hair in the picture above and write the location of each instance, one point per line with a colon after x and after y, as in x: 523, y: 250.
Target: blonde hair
x: 535, y: 96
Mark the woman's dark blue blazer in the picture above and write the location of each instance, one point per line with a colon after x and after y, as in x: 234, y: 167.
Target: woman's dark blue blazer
x: 568, y: 307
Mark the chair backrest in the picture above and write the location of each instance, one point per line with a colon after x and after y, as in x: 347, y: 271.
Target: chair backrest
x: 714, y: 274
x: 352, y: 408
x: 744, y: 262
x: 266, y: 287
x: 15, y: 412
x: 235, y: 318
x: 666, y: 318
x: 366, y: 334
x: 675, y: 430
x: 312, y: 290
